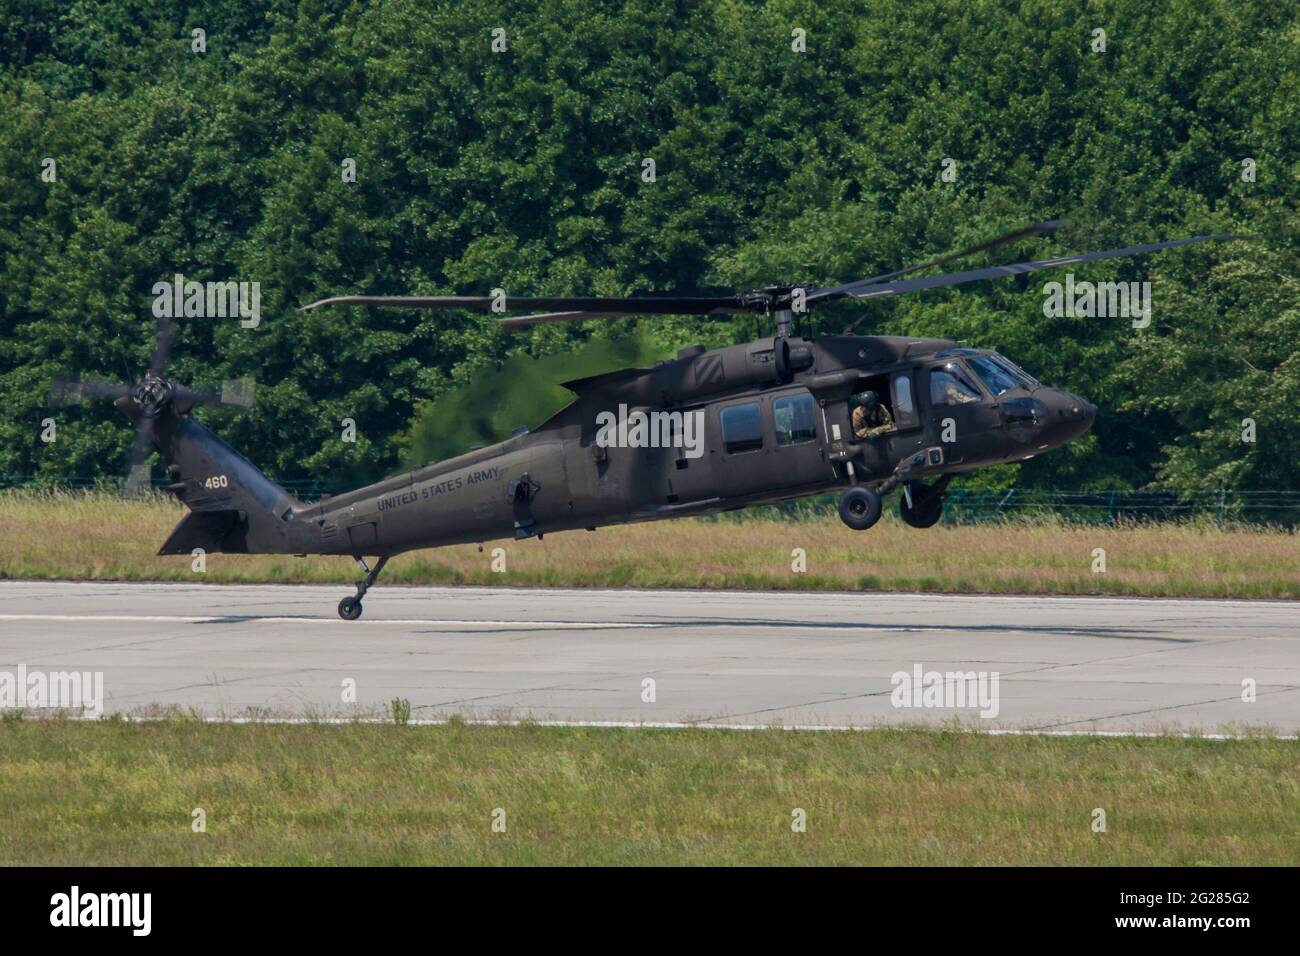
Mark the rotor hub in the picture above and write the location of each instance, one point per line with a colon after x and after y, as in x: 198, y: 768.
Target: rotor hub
x: 152, y: 394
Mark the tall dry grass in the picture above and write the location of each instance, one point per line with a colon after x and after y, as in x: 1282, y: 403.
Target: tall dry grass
x: 93, y: 536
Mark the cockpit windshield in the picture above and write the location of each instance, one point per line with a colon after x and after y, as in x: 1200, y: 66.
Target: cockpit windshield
x: 998, y: 378
x: 1015, y: 370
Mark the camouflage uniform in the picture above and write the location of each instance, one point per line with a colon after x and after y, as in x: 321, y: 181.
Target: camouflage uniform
x: 869, y: 424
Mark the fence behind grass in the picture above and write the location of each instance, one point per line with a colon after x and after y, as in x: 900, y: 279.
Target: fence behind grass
x: 1092, y: 507
x: 963, y: 505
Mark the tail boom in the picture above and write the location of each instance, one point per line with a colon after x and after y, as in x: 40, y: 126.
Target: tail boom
x: 234, y: 508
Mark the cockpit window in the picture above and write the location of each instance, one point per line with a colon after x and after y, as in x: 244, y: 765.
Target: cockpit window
x: 951, y: 385
x: 1014, y: 369
x: 997, y: 378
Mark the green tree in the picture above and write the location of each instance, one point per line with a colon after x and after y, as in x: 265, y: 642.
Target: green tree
x: 523, y: 170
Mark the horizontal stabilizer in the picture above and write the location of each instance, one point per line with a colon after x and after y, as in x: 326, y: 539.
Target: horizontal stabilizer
x: 208, y: 530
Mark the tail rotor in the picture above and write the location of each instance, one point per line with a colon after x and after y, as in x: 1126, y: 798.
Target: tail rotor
x: 148, y: 399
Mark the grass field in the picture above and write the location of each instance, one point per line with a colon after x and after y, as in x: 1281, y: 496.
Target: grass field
x: 121, y: 793
x: 103, y: 537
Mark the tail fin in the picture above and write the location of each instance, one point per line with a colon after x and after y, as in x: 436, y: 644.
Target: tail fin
x: 234, y: 507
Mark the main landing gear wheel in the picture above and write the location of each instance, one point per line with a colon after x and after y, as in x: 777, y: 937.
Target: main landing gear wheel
x: 350, y: 608
x: 860, y: 508
x: 920, y: 507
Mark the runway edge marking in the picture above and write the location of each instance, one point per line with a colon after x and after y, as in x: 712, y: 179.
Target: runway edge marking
x: 670, y: 725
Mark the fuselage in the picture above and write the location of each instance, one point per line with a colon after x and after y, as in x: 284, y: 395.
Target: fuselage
x: 706, y: 432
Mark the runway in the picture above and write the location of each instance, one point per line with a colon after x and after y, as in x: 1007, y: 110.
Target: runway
x: 714, y: 658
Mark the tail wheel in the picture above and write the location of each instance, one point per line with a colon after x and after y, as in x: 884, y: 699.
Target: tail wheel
x: 926, y: 508
x: 350, y: 608
x: 860, y: 508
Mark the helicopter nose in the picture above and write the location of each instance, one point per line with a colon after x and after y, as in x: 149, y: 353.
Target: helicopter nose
x: 1069, y: 417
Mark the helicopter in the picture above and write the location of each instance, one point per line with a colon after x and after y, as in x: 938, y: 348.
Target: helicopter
x: 708, y: 431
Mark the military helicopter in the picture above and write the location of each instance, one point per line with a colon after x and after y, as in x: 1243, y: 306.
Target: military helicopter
x: 709, y: 431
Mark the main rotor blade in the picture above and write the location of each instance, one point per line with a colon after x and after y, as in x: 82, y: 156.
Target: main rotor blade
x: 881, y: 289
x: 514, y: 322
x: 1036, y: 229
x: 627, y: 305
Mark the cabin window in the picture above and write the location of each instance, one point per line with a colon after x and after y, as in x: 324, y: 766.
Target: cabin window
x: 794, y: 418
x: 742, y: 428
x: 904, y: 407
x: 952, y: 385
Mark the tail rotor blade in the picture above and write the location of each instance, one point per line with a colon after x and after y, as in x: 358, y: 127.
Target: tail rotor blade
x: 237, y: 392
x: 71, y: 392
x: 241, y: 392
x: 162, y: 346
x: 138, y: 481
x: 138, y: 475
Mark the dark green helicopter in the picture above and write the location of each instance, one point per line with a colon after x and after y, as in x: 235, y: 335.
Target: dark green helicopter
x: 709, y: 431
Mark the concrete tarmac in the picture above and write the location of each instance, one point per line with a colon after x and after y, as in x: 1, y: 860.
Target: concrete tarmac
x: 715, y: 658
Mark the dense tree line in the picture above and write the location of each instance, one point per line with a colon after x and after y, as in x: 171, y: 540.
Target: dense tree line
x: 524, y: 169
